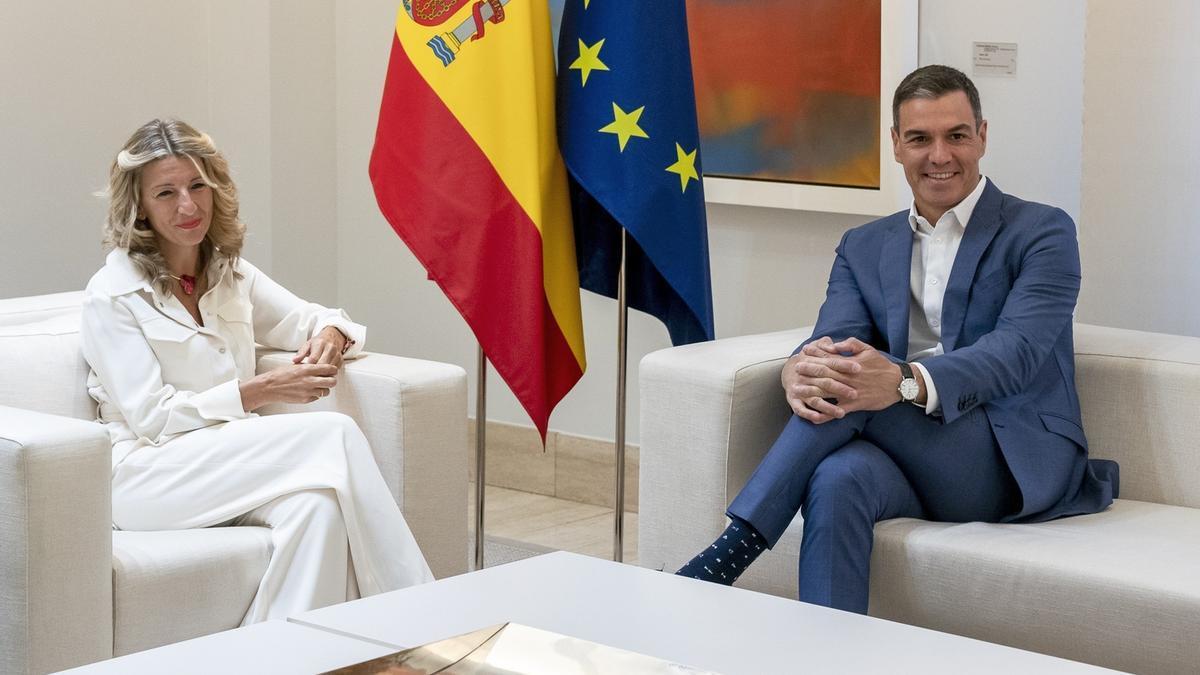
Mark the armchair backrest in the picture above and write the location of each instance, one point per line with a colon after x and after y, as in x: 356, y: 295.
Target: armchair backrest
x: 1140, y: 395
x: 41, y: 365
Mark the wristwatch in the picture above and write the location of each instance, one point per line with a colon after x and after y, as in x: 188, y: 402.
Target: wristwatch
x: 909, y: 389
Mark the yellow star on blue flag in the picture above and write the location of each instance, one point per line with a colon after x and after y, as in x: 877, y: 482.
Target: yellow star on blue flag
x: 685, y: 166
x: 589, y: 60
x: 625, y: 125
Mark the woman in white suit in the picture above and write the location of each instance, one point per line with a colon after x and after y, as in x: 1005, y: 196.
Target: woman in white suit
x: 169, y: 327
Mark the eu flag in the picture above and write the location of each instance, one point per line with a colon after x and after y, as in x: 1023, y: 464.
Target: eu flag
x: 627, y: 130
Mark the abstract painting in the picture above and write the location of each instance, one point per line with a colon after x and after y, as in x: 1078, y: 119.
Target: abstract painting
x: 788, y: 90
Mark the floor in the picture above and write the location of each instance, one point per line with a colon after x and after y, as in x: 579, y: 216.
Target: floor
x: 552, y: 523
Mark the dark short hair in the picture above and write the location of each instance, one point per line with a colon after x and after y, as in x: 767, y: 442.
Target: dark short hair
x: 935, y: 82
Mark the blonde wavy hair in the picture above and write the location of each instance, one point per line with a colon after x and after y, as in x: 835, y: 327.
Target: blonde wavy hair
x: 123, y: 229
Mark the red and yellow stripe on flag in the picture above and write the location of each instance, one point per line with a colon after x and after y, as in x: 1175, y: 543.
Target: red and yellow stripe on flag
x: 466, y: 169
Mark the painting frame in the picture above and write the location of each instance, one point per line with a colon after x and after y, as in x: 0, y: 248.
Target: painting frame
x: 899, y: 39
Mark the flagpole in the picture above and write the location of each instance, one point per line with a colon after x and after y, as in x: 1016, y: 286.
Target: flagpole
x: 622, y: 353
x: 480, y: 450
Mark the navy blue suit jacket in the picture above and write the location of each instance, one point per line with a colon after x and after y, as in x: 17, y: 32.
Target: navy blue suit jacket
x: 1006, y: 332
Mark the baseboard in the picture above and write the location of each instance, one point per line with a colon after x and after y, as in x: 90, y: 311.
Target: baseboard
x: 572, y: 467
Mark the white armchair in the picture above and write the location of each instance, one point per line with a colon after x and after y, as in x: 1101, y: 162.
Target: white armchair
x: 73, y: 591
x: 1120, y: 588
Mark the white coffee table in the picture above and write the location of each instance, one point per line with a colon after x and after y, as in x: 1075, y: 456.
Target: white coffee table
x: 728, y: 630
x: 268, y: 647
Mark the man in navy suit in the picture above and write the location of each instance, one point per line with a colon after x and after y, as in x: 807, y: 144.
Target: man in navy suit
x: 940, y: 379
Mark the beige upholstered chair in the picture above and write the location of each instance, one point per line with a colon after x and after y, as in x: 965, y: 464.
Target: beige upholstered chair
x: 73, y: 591
x: 1120, y: 588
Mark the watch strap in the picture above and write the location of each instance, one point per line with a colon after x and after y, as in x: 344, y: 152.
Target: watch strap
x: 907, y: 378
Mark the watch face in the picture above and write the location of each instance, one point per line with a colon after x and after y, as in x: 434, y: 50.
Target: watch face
x: 909, y: 389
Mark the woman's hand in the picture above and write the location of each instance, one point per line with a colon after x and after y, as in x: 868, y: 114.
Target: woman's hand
x: 298, y: 383
x: 324, y: 347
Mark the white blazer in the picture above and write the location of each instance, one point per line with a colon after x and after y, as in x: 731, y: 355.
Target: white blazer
x: 156, y: 373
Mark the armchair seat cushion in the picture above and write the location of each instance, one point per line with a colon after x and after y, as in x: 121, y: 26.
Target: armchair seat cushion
x: 1132, y: 570
x: 195, y: 582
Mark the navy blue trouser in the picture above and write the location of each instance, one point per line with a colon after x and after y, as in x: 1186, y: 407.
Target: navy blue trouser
x: 850, y: 473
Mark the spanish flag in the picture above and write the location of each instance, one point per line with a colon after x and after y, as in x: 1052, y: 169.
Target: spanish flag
x: 467, y: 171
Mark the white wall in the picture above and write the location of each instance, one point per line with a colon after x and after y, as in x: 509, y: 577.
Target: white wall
x: 1141, y: 167
x: 303, y: 143
x: 1034, y: 137
x: 79, y: 77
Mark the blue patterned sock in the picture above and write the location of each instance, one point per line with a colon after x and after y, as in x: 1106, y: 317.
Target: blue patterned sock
x: 728, y: 556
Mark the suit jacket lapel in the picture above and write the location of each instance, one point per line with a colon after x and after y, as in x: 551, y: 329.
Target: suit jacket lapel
x: 895, y: 273
x: 984, y: 224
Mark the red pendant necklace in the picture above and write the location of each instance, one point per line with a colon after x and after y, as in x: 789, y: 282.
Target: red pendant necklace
x: 187, y: 281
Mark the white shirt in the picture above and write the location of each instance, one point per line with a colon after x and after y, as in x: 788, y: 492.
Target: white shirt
x: 156, y: 373
x: 933, y: 252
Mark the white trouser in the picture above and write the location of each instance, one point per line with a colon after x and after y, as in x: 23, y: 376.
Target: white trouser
x: 310, y: 477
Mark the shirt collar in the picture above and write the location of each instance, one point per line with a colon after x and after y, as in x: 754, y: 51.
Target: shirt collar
x: 961, y: 212
x: 125, y: 277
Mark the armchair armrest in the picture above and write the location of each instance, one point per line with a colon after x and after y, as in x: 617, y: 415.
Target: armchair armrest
x: 414, y: 414
x: 56, y: 529
x: 709, y: 413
